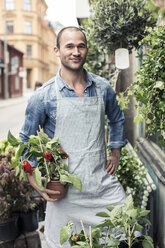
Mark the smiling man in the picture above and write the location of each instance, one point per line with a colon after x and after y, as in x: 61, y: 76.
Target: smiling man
x: 72, y: 106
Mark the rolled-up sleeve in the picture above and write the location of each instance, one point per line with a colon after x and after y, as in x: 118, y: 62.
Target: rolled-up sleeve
x: 116, y: 120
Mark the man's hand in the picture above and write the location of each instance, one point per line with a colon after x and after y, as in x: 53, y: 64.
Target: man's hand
x: 113, y: 161
x: 43, y: 191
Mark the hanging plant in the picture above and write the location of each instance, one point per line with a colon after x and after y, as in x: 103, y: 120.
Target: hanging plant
x: 149, y: 88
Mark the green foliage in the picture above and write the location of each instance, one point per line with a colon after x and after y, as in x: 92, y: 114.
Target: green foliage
x: 15, y: 195
x: 149, y: 88
x: 130, y: 173
x: 120, y: 23
x: 119, y: 222
x: 36, y: 147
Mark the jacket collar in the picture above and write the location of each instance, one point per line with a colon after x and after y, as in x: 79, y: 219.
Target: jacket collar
x: 62, y: 84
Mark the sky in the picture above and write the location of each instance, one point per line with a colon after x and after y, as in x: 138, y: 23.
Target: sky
x: 63, y: 11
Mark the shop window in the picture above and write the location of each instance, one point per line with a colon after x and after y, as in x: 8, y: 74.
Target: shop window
x: 9, y: 27
x: 28, y: 27
x: 27, y: 5
x: 29, y: 51
x: 9, y: 4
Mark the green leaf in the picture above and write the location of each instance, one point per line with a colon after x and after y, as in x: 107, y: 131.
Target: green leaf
x: 44, y: 137
x: 160, y: 85
x: 37, y: 177
x: 129, y: 203
x: 64, y: 234
x: 132, y: 213
x: 64, y: 179
x: 110, y: 208
x: 148, y: 121
x: 20, y: 150
x: 144, y: 212
x: 13, y: 141
x: 14, y: 164
x: 138, y: 228
x: 75, y: 181
x: 147, y: 244
x: 102, y: 214
x: 138, y: 118
x: 17, y: 170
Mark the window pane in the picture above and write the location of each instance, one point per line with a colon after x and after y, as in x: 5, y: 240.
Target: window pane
x: 9, y: 4
x: 27, y: 5
x: 29, y: 51
x: 9, y: 27
x: 28, y: 27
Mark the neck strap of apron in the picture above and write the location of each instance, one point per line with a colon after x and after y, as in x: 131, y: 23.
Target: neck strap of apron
x: 59, y: 96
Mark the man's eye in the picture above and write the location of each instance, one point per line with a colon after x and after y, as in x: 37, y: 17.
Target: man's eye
x: 82, y: 46
x: 70, y: 46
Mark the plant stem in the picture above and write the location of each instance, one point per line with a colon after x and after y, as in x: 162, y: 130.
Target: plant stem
x: 83, y: 229
x: 129, y: 237
x: 90, y: 236
x: 43, y: 153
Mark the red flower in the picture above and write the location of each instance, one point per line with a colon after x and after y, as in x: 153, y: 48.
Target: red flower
x: 27, y: 167
x: 48, y: 155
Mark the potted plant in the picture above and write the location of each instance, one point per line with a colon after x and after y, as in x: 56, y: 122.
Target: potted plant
x: 8, y: 191
x: 121, y: 227
x: 26, y: 207
x: 119, y: 24
x: 51, y: 168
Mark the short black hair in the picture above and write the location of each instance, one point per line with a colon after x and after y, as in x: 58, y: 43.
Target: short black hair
x: 65, y: 28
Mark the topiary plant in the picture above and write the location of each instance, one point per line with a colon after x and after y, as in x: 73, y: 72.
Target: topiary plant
x: 120, y: 23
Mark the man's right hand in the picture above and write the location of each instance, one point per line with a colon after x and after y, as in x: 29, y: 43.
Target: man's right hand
x: 43, y: 191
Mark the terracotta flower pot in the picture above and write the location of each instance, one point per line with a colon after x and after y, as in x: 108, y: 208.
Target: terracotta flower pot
x: 57, y: 186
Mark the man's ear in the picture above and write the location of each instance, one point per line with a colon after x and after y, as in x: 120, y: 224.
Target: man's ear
x: 56, y: 50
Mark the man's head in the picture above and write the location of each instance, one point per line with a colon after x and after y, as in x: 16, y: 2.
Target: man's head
x: 69, y: 28
x: 71, y: 48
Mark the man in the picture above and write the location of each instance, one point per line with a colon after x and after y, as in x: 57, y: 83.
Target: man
x: 72, y: 107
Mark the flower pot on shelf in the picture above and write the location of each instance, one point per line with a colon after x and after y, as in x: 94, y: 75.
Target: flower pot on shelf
x: 9, y: 229
x: 28, y: 222
x: 57, y: 186
x: 122, y: 58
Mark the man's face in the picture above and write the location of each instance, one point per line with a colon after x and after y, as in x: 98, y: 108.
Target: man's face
x: 73, y: 50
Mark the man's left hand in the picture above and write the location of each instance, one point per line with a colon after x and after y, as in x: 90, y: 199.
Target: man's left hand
x: 113, y: 161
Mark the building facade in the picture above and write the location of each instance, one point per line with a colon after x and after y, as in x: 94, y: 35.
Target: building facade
x: 14, y: 64
x: 23, y: 26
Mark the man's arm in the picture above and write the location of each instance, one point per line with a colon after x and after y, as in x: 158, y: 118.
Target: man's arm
x: 116, y: 122
x: 35, y: 117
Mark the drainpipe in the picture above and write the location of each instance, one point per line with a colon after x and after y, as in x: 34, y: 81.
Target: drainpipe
x: 6, y: 90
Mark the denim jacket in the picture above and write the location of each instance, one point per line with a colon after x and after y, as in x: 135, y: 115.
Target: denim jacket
x: 42, y: 106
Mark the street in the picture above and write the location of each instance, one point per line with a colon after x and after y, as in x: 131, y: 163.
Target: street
x: 12, y: 116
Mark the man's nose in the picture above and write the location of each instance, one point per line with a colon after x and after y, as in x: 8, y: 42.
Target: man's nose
x: 76, y: 51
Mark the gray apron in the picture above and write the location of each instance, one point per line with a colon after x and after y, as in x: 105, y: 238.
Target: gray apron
x: 80, y: 128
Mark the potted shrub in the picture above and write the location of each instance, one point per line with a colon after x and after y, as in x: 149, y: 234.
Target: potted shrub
x: 8, y: 191
x: 51, y: 169
x: 119, y: 24
x: 121, y: 227
x: 26, y: 207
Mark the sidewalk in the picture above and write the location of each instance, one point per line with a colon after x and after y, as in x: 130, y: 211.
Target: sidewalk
x: 13, y: 101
